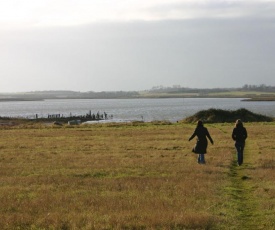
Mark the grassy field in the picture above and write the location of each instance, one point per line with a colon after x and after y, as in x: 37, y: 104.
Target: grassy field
x: 134, y: 176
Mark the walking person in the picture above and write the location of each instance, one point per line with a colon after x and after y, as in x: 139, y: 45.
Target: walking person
x: 201, y: 146
x: 239, y: 135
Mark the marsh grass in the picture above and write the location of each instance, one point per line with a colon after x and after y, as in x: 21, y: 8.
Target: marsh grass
x: 133, y: 176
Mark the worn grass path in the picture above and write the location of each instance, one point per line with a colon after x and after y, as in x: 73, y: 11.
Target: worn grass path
x: 242, y: 203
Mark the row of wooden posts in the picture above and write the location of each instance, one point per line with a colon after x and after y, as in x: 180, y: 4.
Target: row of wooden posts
x: 90, y: 115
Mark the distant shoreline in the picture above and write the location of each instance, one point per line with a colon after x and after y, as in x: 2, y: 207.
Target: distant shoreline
x: 246, y: 93
x: 19, y: 99
x: 160, y: 97
x: 41, y: 99
x: 259, y: 99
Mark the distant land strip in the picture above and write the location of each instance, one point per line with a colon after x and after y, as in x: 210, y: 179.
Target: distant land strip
x: 259, y: 99
x: 246, y: 93
x: 19, y: 99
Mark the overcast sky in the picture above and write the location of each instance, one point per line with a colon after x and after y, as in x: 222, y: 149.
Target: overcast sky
x: 112, y: 45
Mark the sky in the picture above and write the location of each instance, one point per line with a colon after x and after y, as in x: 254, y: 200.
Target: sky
x: 132, y: 45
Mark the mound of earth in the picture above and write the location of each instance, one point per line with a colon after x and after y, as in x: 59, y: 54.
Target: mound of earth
x: 220, y: 116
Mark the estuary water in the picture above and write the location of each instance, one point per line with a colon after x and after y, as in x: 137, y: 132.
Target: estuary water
x: 170, y: 109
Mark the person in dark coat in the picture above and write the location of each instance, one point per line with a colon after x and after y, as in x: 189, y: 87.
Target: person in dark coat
x: 201, y: 146
x: 239, y: 135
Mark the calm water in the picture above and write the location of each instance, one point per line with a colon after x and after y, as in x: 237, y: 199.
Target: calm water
x: 171, y: 109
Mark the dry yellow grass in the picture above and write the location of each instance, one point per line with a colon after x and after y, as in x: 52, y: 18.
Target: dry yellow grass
x: 134, y: 176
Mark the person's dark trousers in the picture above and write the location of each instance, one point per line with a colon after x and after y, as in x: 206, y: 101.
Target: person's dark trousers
x: 239, y: 147
x: 201, y: 159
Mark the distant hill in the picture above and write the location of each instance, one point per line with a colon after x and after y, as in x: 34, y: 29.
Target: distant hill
x: 220, y: 116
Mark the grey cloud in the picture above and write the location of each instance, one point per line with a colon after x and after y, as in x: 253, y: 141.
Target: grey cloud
x: 213, y: 9
x: 138, y: 55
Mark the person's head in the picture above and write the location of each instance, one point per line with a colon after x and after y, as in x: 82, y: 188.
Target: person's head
x: 199, y: 123
x: 239, y: 123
